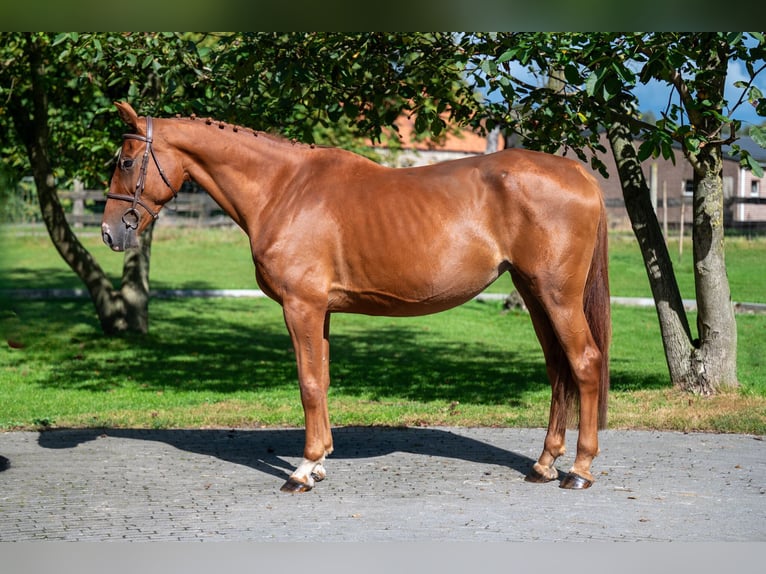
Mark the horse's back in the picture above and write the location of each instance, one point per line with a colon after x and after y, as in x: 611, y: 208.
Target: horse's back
x: 417, y: 240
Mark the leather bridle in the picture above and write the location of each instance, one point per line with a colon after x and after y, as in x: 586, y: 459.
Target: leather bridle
x: 131, y: 217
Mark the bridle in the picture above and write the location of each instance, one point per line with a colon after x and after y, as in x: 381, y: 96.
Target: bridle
x: 131, y: 217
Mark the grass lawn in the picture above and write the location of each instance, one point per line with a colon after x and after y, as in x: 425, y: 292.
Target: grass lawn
x: 229, y: 362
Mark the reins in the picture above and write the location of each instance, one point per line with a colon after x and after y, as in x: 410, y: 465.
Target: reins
x: 131, y: 217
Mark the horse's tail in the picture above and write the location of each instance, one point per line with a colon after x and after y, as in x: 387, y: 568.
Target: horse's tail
x: 598, y: 310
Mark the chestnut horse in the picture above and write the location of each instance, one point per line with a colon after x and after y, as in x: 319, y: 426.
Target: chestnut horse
x: 331, y: 231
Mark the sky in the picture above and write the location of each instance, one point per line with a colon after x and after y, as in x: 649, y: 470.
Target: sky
x: 654, y: 96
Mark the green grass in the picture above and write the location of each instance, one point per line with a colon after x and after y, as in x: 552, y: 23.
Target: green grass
x: 181, y: 259
x: 229, y: 362
x: 745, y: 267
x: 220, y: 259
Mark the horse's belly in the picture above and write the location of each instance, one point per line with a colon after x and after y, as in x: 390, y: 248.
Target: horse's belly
x: 385, y: 304
x: 410, y: 297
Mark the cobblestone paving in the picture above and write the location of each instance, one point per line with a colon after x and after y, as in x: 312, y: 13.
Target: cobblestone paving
x: 415, y: 484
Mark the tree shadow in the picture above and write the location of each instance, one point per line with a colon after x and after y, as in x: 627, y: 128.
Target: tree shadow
x: 248, y: 350
x: 49, y: 278
x: 626, y: 379
x: 267, y: 450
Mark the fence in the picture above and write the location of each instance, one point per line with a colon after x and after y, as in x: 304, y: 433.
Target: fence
x: 85, y: 207
x: 195, y: 207
x: 748, y: 225
x: 745, y: 215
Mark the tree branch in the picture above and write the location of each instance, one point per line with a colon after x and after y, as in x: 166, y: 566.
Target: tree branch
x: 744, y: 90
x: 682, y: 88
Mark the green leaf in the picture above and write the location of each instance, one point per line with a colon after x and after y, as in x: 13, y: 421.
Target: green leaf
x: 507, y: 55
x: 421, y: 123
x: 612, y: 86
x: 591, y: 84
x: 693, y: 144
x: 572, y: 74
x: 753, y: 165
x: 626, y: 75
x: 437, y: 125
x: 646, y: 150
x: 667, y: 150
x: 62, y: 37
x: 489, y: 67
x: 758, y: 135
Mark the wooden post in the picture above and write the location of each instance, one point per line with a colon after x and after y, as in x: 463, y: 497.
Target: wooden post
x: 665, y: 210
x: 681, y: 229
x: 78, y: 203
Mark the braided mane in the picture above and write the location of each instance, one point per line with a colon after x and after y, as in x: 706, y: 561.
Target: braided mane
x: 240, y: 129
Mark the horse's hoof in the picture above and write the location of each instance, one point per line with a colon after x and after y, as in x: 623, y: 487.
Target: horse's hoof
x: 574, y: 481
x: 292, y: 485
x: 538, y: 477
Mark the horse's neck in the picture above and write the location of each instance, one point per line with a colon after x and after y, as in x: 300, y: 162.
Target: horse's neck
x: 238, y: 168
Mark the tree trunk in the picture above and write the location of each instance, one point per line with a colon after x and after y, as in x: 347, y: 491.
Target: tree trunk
x: 674, y: 325
x: 696, y: 365
x: 714, y: 362
x: 118, y: 311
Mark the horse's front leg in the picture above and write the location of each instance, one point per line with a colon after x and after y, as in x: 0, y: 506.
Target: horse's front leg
x: 309, y: 329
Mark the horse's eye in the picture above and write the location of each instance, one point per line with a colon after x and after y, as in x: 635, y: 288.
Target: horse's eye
x: 126, y: 164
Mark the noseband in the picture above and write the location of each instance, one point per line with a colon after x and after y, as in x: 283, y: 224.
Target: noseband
x: 131, y: 217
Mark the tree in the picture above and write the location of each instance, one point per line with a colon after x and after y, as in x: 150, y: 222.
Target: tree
x: 58, y: 122
x: 599, y: 74
x: 303, y: 83
x: 308, y: 82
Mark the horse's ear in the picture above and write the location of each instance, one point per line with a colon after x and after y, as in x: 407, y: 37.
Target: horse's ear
x: 127, y: 114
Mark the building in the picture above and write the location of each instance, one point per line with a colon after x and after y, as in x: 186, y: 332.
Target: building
x: 454, y: 144
x: 672, y: 184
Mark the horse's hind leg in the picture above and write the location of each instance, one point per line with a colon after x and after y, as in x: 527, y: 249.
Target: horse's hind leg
x: 554, y: 446
x: 309, y: 330
x: 585, y: 362
x: 574, y: 366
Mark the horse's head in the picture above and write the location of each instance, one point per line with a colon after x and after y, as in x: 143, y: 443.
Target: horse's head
x: 144, y: 179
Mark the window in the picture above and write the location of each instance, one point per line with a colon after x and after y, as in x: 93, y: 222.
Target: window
x: 689, y: 187
x: 755, y: 187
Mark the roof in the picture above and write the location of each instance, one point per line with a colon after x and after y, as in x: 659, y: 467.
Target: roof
x: 463, y: 140
x: 748, y: 144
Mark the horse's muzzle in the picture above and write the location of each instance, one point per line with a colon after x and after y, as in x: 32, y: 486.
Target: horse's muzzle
x: 119, y: 239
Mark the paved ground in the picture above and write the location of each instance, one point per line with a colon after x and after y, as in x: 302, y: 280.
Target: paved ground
x: 418, y: 484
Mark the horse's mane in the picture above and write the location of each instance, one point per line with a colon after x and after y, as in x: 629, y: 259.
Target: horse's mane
x: 272, y: 137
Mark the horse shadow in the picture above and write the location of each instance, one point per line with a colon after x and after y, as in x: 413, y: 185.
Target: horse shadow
x: 269, y: 450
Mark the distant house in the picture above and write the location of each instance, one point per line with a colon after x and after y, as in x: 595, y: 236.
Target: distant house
x: 671, y: 187
x: 413, y: 151
x: 670, y: 183
x: 746, y: 207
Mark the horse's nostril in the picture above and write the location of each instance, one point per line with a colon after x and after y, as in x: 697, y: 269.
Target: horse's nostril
x: 106, y: 237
